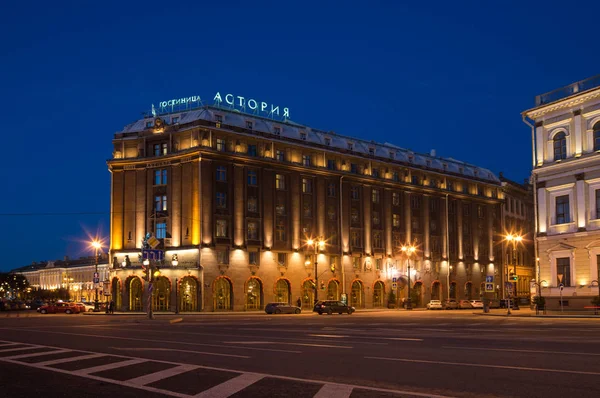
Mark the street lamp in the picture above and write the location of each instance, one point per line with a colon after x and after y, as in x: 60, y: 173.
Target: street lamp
x: 408, y: 250
x: 96, y: 245
x: 318, y: 244
x: 68, y: 280
x: 514, y: 239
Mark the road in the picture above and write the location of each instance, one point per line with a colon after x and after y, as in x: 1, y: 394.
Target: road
x: 370, y: 354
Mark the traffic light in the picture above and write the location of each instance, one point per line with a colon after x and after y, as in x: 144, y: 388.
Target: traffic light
x: 156, y: 273
x: 145, y: 271
x: 513, y: 277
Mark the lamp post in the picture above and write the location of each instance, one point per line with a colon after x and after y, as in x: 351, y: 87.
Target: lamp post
x: 318, y: 244
x: 96, y: 245
x: 408, y: 250
x: 512, y: 239
x: 68, y: 280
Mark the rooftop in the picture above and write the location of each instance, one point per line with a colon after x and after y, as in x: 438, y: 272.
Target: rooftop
x: 290, y: 130
x: 567, y: 91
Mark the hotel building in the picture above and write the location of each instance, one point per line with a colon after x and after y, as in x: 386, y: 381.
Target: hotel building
x: 566, y: 141
x: 234, y: 198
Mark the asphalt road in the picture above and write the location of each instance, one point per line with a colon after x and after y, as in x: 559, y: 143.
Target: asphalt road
x: 376, y: 354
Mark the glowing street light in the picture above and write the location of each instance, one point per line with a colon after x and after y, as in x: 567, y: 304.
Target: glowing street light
x: 97, y: 246
x: 514, y: 239
x: 408, y: 251
x: 318, y: 244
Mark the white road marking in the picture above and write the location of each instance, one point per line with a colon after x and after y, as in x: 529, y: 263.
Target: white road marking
x: 70, y: 359
x: 436, y: 330
x: 37, y: 354
x: 108, y: 366
x: 21, y: 348
x: 480, y: 365
x: 334, y: 391
x: 333, y: 336
x: 163, y: 374
x: 401, y: 338
x: 231, y: 386
x: 526, y: 351
x: 286, y: 343
x: 174, y: 349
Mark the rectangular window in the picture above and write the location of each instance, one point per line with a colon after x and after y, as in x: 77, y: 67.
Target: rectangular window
x: 222, y: 256
x: 303, y: 136
x: 414, y: 179
x: 354, y: 194
x: 354, y: 216
x: 415, y: 202
x: 160, y: 177
x: 396, y: 199
x: 331, y: 164
x: 277, y: 130
x: 563, y: 271
x: 378, y: 264
x: 306, y: 185
x: 306, y: 160
x: 280, y: 208
x: 377, y: 244
x: 221, y: 200
x: 597, y: 203
x: 221, y: 173
x: 353, y: 168
x: 252, y: 230
x: 375, y: 217
x: 395, y: 176
x: 307, y: 209
x: 160, y: 149
x: 280, y: 231
x: 350, y: 146
x: 375, y: 173
x: 355, y: 239
x: 356, y: 262
x: 280, y: 155
x: 252, y: 204
x: 252, y: 179
x: 174, y: 120
x: 160, y: 203
x: 280, y: 182
x: 219, y: 118
x: 281, y: 258
x: 375, y: 196
x: 149, y: 124
x: 449, y: 185
x: 396, y: 220
x: 562, y: 209
x: 161, y: 230
x: 221, y: 229
x: 220, y: 144
x: 251, y: 150
x: 331, y: 190
x: 253, y: 258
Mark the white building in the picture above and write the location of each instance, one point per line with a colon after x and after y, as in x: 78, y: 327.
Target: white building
x: 566, y: 153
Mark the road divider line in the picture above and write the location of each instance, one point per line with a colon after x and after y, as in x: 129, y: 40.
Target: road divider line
x: 524, y: 351
x: 37, y: 354
x: 334, y: 391
x: 176, y: 350
x: 401, y: 338
x: 286, y: 343
x: 70, y: 359
x: 109, y: 366
x: 231, y: 386
x: 163, y: 374
x: 481, y: 365
x: 333, y: 336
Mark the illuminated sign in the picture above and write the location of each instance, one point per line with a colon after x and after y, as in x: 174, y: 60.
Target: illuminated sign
x: 248, y: 105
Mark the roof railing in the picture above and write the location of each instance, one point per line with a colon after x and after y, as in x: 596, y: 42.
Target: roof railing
x: 571, y: 89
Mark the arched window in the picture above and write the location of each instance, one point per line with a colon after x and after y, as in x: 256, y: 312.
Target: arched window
x: 596, y: 129
x: 560, y: 146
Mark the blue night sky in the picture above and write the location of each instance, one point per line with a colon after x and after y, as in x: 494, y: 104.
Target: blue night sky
x: 451, y: 76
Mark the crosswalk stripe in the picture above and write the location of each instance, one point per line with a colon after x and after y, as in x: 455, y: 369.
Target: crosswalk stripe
x: 71, y: 359
x: 20, y: 348
x: 163, y: 374
x: 37, y: 354
x: 230, y: 387
x: 334, y: 391
x: 109, y: 366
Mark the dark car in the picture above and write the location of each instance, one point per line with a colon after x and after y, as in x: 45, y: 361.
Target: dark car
x: 514, y: 305
x: 330, y: 306
x: 282, y: 308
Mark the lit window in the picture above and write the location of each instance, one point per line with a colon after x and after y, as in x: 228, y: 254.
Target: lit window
x: 161, y: 230
x: 396, y: 199
x: 221, y: 173
x: 396, y: 220
x: 160, y: 177
x: 160, y: 203
x: 252, y: 179
x: 306, y: 160
x: 280, y: 156
x: 306, y: 185
x: 280, y: 182
x: 160, y: 149
x: 221, y: 228
x: 375, y: 196
x: 220, y: 144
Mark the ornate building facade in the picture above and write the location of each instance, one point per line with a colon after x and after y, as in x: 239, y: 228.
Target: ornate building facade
x: 233, y: 199
x: 566, y: 139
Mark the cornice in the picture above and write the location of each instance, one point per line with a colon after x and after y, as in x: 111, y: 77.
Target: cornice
x: 569, y: 102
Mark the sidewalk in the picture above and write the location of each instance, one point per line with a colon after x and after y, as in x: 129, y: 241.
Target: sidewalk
x: 245, y: 313
x: 528, y: 313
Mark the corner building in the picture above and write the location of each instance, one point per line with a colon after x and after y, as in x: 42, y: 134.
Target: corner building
x: 234, y: 197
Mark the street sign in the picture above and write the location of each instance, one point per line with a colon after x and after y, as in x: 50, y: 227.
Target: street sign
x: 394, y: 280
x: 151, y: 254
x: 394, y: 285
x: 96, y: 280
x: 96, y: 275
x: 153, y: 242
x: 489, y: 279
x: 489, y: 287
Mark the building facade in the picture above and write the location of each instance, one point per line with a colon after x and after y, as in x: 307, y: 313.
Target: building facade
x: 566, y: 139
x: 518, y: 258
x: 74, y: 275
x: 233, y: 198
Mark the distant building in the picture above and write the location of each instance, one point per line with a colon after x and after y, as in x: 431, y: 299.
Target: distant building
x: 74, y: 275
x: 233, y: 199
x: 518, y: 220
x: 566, y: 175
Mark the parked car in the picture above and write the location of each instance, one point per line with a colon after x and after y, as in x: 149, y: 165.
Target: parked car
x: 513, y: 304
x: 330, y: 306
x: 464, y: 304
x: 282, y: 308
x: 67, y: 308
x: 477, y: 303
x: 35, y: 304
x: 434, y: 305
x: 85, y: 307
x: 451, y: 304
x: 495, y: 303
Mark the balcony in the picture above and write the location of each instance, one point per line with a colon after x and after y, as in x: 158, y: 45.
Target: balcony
x: 571, y: 89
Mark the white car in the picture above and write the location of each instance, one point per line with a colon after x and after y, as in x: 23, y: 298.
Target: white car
x: 88, y: 307
x: 477, y: 303
x: 434, y: 305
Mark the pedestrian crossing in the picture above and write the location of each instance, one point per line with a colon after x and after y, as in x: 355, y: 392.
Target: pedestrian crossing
x: 178, y: 379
